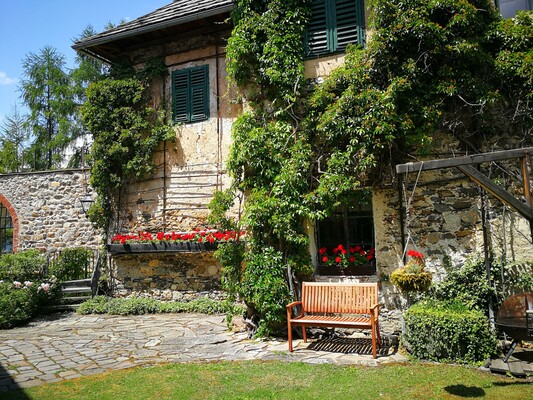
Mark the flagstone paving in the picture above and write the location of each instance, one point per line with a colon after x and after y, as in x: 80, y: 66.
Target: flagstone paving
x: 66, y: 346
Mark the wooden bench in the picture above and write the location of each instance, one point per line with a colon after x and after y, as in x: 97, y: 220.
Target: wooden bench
x: 340, y: 305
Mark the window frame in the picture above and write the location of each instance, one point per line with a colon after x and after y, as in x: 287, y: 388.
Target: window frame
x: 342, y: 218
x: 190, y: 94
x: 6, y: 224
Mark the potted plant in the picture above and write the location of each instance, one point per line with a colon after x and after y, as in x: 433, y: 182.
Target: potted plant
x: 412, y: 277
x: 353, y: 260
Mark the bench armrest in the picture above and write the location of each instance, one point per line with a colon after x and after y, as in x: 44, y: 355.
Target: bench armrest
x: 290, y: 306
x: 375, y: 309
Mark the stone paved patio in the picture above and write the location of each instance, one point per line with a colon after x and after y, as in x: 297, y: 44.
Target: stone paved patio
x: 66, y: 346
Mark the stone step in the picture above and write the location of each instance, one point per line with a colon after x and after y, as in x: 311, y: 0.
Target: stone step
x: 76, y: 289
x: 77, y: 299
x: 76, y: 283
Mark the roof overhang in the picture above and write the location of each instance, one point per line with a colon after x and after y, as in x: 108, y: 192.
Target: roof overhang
x: 97, y: 45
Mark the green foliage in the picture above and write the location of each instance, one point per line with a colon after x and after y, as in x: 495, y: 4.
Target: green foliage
x: 467, y: 284
x: 303, y: 148
x: 448, y: 331
x: 22, y: 266
x: 15, y: 305
x: 20, y: 301
x: 411, y: 282
x: 13, y: 135
x: 141, y: 305
x: 264, y: 288
x: 265, y: 49
x: 47, y: 91
x: 71, y: 264
x: 126, y: 133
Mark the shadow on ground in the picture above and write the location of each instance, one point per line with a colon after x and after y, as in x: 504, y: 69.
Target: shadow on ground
x: 348, y: 345
x: 7, y: 384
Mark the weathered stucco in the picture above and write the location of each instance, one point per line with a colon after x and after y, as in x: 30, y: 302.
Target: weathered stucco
x: 48, y: 209
x: 193, y: 167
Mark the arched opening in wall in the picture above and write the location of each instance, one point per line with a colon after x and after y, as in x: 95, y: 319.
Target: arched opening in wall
x: 7, y: 231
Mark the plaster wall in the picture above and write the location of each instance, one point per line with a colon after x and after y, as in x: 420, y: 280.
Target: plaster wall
x: 48, y: 210
x: 191, y: 168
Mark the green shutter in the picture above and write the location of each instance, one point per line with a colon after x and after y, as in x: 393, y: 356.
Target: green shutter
x: 180, y: 84
x: 334, y: 24
x: 190, y: 94
x: 346, y: 24
x: 317, y: 38
x: 199, y: 110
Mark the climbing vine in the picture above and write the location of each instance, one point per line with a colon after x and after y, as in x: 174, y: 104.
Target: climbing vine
x: 126, y: 131
x: 304, y: 147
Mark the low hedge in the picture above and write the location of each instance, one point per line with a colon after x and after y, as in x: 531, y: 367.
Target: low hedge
x: 142, y: 305
x: 447, y: 332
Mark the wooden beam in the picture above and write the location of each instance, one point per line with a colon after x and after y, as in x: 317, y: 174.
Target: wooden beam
x: 525, y: 163
x: 497, y: 191
x: 466, y: 160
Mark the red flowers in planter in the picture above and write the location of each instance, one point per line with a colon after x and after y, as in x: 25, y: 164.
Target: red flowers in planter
x: 342, y: 257
x: 209, y: 236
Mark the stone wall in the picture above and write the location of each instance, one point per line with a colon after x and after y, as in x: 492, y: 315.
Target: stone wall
x: 166, y: 275
x: 48, y: 211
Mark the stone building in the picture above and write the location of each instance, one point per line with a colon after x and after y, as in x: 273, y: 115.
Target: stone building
x: 42, y: 210
x: 437, y: 210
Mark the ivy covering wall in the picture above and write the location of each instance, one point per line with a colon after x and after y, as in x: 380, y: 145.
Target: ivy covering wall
x: 301, y: 149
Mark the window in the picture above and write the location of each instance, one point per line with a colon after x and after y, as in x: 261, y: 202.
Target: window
x: 335, y: 24
x: 6, y: 231
x: 190, y: 94
x: 353, y: 228
x: 508, y: 8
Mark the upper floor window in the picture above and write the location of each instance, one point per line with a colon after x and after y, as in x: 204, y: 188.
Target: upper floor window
x: 335, y: 24
x: 6, y: 231
x: 190, y: 94
x: 508, y: 8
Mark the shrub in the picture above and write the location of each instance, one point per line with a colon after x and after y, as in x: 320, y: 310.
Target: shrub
x: 23, y: 266
x: 467, y: 284
x: 19, y: 301
x: 447, y: 331
x: 16, y: 305
x: 71, y: 264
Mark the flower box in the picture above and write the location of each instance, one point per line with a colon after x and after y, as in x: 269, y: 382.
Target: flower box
x: 191, y: 247
x: 355, y: 270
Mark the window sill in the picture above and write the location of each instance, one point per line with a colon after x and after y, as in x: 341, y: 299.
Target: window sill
x: 358, y: 270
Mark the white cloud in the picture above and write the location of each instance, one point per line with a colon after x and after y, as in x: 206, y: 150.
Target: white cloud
x: 5, y: 80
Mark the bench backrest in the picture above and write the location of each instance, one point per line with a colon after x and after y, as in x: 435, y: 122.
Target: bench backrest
x: 344, y: 298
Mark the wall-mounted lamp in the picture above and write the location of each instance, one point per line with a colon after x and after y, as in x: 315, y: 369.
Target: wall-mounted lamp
x: 86, y: 202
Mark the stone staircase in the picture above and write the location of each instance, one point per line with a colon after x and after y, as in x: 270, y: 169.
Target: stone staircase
x: 77, y: 291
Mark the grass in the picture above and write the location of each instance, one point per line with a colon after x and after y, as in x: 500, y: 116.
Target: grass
x: 280, y: 380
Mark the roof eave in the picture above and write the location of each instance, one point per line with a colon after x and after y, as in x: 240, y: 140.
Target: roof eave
x: 85, y: 44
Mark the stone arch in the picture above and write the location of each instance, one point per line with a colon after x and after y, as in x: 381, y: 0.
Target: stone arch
x: 14, y: 218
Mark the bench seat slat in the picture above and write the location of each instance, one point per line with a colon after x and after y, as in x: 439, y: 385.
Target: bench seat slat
x: 315, y: 320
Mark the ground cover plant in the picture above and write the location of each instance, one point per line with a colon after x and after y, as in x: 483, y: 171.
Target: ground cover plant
x: 282, y: 380
x: 142, y: 305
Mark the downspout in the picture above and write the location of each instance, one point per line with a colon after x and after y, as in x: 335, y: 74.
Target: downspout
x: 402, y: 220
x: 219, y: 122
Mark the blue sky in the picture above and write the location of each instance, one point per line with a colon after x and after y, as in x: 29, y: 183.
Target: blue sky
x: 26, y: 26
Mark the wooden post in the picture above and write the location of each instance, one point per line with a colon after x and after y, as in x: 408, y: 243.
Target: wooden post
x: 525, y: 164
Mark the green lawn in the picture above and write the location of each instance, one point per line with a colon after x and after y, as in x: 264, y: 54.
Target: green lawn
x: 279, y: 380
